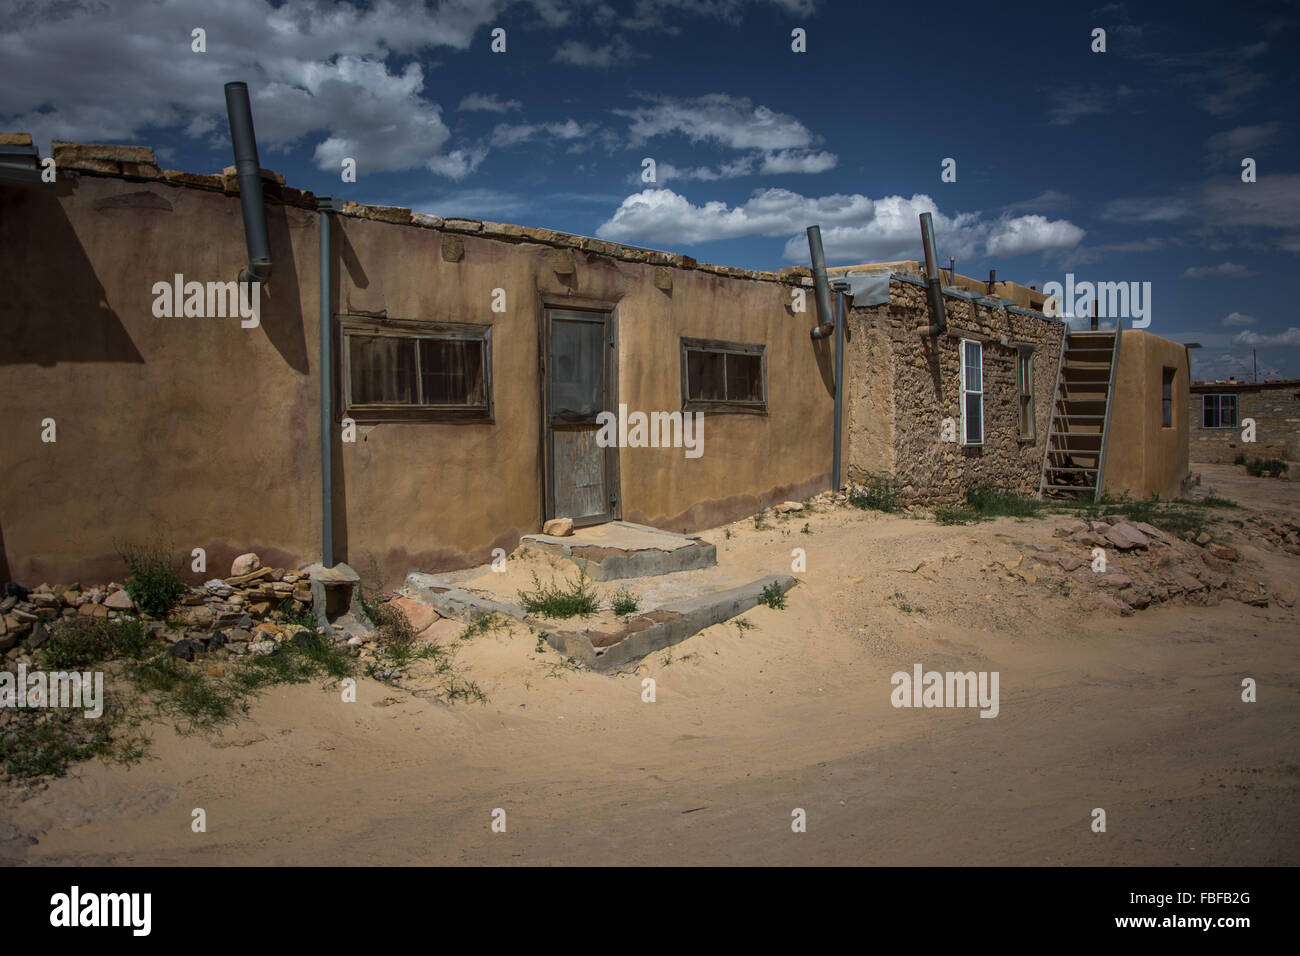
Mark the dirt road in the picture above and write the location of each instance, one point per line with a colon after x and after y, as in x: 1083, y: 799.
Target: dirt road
x: 1141, y: 716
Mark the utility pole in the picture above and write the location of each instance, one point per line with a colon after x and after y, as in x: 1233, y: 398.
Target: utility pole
x: 1255, y: 365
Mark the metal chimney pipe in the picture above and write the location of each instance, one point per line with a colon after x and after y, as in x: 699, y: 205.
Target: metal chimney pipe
x: 821, y: 289
x: 938, y: 320
x: 993, y: 280
x: 249, y: 173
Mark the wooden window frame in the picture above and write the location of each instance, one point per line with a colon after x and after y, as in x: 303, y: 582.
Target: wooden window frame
x: 1167, y: 404
x: 1023, y: 353
x: 1218, y: 409
x: 413, y: 329
x: 961, y: 358
x: 722, y: 406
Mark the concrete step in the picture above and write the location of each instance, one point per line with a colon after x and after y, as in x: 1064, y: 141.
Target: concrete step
x: 621, y: 549
x: 672, y: 607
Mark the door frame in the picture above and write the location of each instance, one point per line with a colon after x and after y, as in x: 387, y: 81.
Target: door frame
x: 572, y: 303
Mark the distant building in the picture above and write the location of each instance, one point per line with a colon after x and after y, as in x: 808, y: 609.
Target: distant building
x: 1220, y: 413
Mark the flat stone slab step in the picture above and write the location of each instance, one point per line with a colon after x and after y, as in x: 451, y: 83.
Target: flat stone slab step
x: 605, y: 645
x: 621, y: 549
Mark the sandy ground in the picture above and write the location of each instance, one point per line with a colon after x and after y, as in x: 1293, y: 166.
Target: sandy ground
x: 1141, y: 716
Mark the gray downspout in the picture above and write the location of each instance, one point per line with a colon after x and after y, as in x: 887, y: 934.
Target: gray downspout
x: 938, y: 319
x: 249, y: 173
x: 820, y: 288
x: 840, y: 316
x: 324, y: 206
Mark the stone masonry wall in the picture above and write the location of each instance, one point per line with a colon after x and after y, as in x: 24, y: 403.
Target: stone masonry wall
x: 1276, y: 412
x: 926, y: 379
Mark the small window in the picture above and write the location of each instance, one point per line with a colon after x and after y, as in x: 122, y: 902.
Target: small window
x: 417, y: 371
x: 1218, y: 411
x: 723, y: 376
x: 1167, y: 399
x: 1025, y: 378
x: 972, y: 393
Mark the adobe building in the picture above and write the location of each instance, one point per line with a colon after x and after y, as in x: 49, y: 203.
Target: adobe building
x: 459, y: 368
x: 1221, y: 414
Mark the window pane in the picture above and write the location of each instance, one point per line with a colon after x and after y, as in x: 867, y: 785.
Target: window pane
x: 451, y: 372
x: 1228, y: 415
x: 1210, y: 411
x: 382, y: 370
x: 744, y: 378
x: 974, y: 429
x: 577, y: 368
x: 974, y: 373
x: 706, y: 376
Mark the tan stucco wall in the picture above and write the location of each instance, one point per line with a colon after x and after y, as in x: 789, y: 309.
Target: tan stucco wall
x: 194, y: 429
x: 479, y: 486
x: 208, y: 433
x: 1143, y: 458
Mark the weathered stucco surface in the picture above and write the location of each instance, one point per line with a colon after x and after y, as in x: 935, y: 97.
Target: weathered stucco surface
x: 206, y: 434
x: 191, y: 429
x: 1142, y: 456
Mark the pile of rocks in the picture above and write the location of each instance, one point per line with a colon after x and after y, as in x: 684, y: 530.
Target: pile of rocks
x: 1143, y: 566
x: 1272, y: 535
x: 242, y: 613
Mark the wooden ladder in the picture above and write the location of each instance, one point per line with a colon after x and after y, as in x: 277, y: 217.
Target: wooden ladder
x: 1074, y: 459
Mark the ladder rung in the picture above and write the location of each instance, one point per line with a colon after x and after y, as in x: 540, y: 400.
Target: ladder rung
x: 1059, y: 468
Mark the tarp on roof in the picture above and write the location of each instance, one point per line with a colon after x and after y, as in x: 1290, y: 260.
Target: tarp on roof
x: 869, y: 289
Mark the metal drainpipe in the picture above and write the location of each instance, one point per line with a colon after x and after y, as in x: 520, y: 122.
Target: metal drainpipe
x: 840, y: 316
x: 249, y: 173
x: 938, y: 320
x: 324, y: 206
x: 820, y: 287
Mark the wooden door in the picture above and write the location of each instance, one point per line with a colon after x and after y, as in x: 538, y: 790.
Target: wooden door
x: 578, y: 384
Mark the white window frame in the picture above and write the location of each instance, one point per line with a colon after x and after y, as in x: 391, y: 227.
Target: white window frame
x: 961, y: 357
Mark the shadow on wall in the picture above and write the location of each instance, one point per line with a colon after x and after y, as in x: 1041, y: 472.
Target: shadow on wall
x: 56, y: 310
x: 282, y: 317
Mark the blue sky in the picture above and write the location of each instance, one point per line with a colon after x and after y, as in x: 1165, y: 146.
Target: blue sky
x: 1115, y: 166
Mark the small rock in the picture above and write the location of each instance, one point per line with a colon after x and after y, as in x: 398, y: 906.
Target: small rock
x: 1222, y: 552
x: 1125, y: 537
x: 239, y: 635
x: 118, y: 601
x: 1116, y: 581
x: 245, y: 564
x: 1069, y: 562
x: 558, y: 527
x: 185, y: 649
x: 262, y: 648
x: 1203, y: 538
x: 786, y: 507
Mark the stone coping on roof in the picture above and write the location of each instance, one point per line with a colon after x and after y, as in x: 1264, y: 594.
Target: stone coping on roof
x: 138, y: 163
